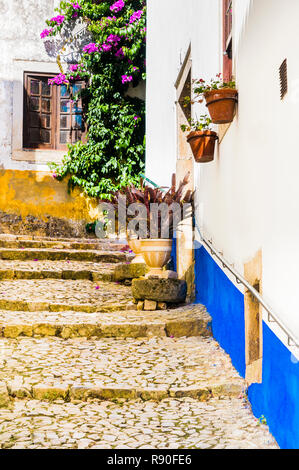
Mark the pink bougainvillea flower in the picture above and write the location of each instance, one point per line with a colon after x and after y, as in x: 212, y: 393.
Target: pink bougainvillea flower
x: 58, y: 19
x: 106, y: 47
x: 74, y: 67
x: 45, y: 33
x: 120, y: 53
x: 90, y: 48
x: 60, y: 79
x: 76, y: 6
x: 117, y: 6
x: 126, y: 78
x: 113, y: 39
x: 136, y: 16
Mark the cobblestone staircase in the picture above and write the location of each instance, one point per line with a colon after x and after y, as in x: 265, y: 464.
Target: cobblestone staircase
x: 73, y: 345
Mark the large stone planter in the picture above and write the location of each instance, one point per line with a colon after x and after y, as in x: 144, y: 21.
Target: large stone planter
x: 135, y: 245
x: 156, y: 254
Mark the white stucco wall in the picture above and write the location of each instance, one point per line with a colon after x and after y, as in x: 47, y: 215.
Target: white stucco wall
x: 21, y: 50
x: 171, y: 26
x: 249, y: 196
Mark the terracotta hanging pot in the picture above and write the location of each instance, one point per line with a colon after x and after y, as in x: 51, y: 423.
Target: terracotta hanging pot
x: 221, y: 104
x: 202, y: 145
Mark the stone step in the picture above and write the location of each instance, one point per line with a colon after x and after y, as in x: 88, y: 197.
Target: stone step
x: 109, y: 368
x: 182, y: 423
x: 94, y: 239
x: 58, y: 295
x: 63, y: 245
x: 191, y: 320
x: 73, y: 270
x: 71, y: 255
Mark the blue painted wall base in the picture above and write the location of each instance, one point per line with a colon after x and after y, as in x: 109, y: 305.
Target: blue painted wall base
x: 277, y: 398
x: 225, y: 303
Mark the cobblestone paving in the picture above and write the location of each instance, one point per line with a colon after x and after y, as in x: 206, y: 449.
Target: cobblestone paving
x: 158, y: 317
x: 62, y: 254
x: 63, y: 294
x: 156, y: 363
x: 62, y: 265
x: 68, y: 346
x: 56, y: 269
x: 170, y: 424
x: 191, y: 320
x: 60, y: 245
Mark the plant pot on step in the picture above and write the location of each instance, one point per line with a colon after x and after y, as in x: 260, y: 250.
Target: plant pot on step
x: 156, y: 254
x: 202, y: 145
x: 221, y: 104
x: 135, y: 245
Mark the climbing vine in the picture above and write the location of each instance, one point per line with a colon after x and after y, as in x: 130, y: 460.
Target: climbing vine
x: 114, y: 61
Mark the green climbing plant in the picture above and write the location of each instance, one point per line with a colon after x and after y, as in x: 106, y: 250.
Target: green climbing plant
x: 112, y: 156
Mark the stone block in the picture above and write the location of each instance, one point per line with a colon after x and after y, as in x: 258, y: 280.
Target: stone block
x: 124, y: 272
x: 153, y: 394
x: 162, y: 306
x: 45, y: 330
x: 150, y: 305
x: 160, y: 290
x: 179, y: 329
x: 163, y: 275
x: 49, y: 393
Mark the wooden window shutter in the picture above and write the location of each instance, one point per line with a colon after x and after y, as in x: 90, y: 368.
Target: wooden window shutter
x: 51, y: 119
x: 227, y: 39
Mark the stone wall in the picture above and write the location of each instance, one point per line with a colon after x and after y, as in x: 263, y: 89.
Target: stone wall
x: 35, y: 203
x: 31, y: 201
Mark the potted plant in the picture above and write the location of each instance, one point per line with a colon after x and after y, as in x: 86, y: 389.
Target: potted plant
x: 221, y: 98
x: 156, y: 251
x: 202, y: 139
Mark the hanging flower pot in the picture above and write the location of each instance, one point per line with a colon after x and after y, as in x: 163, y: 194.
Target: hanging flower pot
x: 203, y: 145
x: 201, y: 138
x: 221, y: 97
x: 221, y: 104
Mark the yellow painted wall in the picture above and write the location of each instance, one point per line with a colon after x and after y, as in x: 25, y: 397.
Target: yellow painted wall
x: 38, y: 194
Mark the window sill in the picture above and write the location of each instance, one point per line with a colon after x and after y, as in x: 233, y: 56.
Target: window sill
x: 38, y: 155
